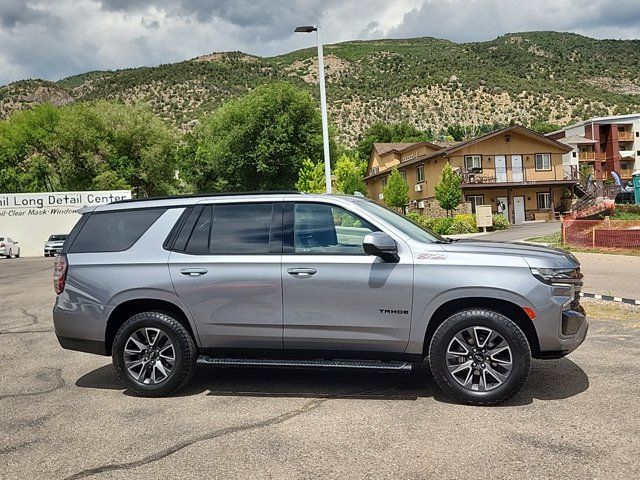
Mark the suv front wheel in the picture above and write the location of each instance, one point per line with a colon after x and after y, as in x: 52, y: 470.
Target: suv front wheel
x: 154, y: 354
x: 480, y: 357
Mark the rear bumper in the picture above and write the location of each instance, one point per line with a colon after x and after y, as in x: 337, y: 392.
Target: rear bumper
x: 81, y: 345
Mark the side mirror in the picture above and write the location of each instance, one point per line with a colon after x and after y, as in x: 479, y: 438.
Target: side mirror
x: 15, y: 243
x: 381, y: 245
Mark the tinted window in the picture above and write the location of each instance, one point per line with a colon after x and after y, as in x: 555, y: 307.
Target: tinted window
x: 242, y: 228
x: 114, y: 231
x: 1, y: 239
x: 232, y: 229
x: 57, y: 238
x: 326, y: 229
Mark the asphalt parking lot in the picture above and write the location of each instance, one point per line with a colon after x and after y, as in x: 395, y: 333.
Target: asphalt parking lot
x: 65, y: 415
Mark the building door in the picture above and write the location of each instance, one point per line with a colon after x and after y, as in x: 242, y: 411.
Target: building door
x: 516, y: 168
x: 518, y: 209
x: 501, y: 168
x: 504, y: 201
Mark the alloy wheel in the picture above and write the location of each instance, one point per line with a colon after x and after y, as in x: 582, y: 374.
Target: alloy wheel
x: 479, y: 359
x: 149, y: 356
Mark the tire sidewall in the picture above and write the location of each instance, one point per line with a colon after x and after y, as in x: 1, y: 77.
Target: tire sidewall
x: 162, y: 322
x: 520, y: 349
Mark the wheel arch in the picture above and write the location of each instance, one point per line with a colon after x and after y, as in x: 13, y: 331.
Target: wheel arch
x: 129, y: 308
x: 511, y: 310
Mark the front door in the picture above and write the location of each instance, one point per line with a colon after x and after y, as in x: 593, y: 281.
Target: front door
x: 501, y: 168
x: 518, y: 208
x: 516, y: 168
x: 225, y: 268
x: 335, y: 296
x: 503, y: 206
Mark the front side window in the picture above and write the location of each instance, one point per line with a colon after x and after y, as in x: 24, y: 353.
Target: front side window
x: 543, y: 161
x: 544, y: 201
x: 374, y: 170
x: 403, y: 174
x: 232, y: 229
x: 473, y: 162
x: 420, y: 174
x: 321, y: 229
x: 383, y: 182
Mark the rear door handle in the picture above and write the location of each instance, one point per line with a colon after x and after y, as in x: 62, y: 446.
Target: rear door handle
x: 301, y: 272
x: 193, y: 272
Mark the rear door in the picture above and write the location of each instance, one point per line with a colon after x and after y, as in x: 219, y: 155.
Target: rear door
x: 225, y: 266
x: 336, y: 297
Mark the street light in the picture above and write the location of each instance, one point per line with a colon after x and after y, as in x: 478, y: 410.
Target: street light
x: 323, y: 103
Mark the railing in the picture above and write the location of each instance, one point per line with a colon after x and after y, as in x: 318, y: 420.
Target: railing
x: 626, y: 173
x: 587, y: 155
x: 625, y: 136
x: 509, y: 175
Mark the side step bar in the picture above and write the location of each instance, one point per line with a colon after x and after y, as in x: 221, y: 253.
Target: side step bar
x: 267, y: 362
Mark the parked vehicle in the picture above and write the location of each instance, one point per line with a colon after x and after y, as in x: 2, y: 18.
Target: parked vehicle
x: 9, y: 248
x: 53, y: 246
x: 286, y: 279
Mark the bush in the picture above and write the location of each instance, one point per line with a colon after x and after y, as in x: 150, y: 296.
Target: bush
x: 438, y: 225
x: 463, y: 223
x: 500, y: 222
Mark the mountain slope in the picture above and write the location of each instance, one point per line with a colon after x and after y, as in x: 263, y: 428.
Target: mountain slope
x: 526, y: 77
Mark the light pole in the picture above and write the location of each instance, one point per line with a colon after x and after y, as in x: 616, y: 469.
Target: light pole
x: 323, y: 103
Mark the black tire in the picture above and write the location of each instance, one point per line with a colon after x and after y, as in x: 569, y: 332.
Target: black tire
x: 185, y: 353
x: 505, y: 328
x: 18, y: 255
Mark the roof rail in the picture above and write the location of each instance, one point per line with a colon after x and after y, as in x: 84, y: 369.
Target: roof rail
x: 204, y: 195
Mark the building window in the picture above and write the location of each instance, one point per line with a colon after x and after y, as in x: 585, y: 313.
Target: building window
x: 374, y: 170
x: 544, y: 201
x: 473, y: 162
x: 543, y: 161
x: 475, y: 200
x: 574, y: 154
x: 403, y: 174
x: 383, y: 182
x: 420, y: 174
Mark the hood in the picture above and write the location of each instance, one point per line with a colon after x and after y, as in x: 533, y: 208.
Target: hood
x: 537, y: 256
x: 54, y: 243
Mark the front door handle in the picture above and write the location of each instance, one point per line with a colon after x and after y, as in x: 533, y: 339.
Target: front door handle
x: 193, y: 272
x: 301, y: 272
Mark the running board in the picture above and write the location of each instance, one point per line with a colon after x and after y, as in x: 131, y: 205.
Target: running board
x: 267, y: 362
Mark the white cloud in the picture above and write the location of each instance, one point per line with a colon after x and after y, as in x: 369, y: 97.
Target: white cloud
x: 52, y: 40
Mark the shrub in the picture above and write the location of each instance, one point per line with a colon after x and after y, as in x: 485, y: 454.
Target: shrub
x: 438, y: 225
x: 463, y: 223
x: 500, y: 222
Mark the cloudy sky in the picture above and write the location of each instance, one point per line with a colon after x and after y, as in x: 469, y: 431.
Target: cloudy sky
x: 55, y: 38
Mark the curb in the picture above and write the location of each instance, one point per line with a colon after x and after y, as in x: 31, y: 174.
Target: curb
x: 610, y: 298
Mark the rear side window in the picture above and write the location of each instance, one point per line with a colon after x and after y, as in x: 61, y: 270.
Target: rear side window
x: 232, y: 229
x: 114, y: 231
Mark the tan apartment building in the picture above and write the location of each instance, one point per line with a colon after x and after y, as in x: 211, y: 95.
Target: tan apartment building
x: 515, y: 167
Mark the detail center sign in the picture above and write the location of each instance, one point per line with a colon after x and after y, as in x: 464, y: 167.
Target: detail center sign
x: 30, y: 218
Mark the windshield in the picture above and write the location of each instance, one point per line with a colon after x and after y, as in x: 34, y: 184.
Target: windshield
x: 402, y: 223
x: 57, y: 238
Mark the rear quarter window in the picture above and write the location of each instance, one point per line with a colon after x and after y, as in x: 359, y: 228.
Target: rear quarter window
x: 114, y: 231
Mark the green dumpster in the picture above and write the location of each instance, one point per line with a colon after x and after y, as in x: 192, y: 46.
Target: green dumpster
x: 636, y: 186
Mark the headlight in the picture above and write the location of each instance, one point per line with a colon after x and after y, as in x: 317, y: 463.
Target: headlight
x: 558, y: 276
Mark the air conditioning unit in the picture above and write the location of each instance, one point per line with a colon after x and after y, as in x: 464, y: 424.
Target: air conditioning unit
x: 421, y: 204
x: 380, y: 196
x: 419, y: 187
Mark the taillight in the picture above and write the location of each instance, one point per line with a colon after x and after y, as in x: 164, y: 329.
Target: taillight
x: 2, y: 245
x: 60, y: 267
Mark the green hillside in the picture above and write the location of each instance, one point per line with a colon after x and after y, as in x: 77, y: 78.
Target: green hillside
x: 525, y: 77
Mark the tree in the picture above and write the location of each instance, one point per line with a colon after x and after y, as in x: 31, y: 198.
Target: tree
x: 311, y: 177
x: 256, y: 142
x: 396, y: 191
x: 544, y: 127
x: 87, y: 146
x: 389, y: 132
x: 449, y: 191
x: 349, y: 175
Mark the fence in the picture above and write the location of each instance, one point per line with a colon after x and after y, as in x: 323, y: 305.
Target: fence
x: 601, y: 233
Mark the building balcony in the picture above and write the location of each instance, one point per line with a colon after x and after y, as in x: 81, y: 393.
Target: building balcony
x: 587, y: 156
x: 630, y: 154
x: 625, y: 136
x: 526, y: 176
x: 626, y: 173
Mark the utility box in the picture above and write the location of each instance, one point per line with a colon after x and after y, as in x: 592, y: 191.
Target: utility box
x: 484, y: 218
x: 636, y: 186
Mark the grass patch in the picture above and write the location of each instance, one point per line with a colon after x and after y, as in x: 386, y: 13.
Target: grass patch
x: 602, y: 310
x: 555, y: 240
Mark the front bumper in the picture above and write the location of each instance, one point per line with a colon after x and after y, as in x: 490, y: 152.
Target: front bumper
x: 52, y: 250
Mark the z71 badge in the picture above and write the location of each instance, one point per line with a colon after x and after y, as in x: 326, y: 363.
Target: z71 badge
x: 431, y: 256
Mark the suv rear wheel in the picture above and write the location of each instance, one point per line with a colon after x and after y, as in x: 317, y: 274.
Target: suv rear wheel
x: 154, y: 354
x: 480, y: 357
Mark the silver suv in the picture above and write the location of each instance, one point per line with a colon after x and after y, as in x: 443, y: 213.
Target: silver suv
x: 284, y: 279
